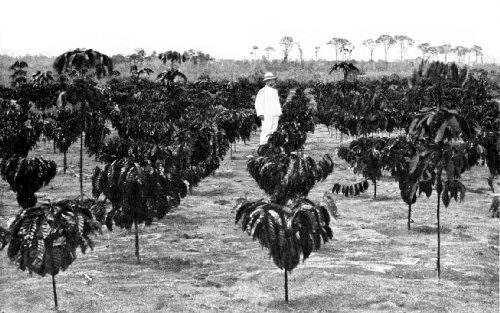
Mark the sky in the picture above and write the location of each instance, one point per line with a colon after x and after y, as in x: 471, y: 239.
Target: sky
x: 229, y: 29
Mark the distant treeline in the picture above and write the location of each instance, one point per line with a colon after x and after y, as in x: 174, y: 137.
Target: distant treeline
x: 227, y: 69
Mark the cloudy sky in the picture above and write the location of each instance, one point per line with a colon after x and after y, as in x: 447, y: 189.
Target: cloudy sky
x: 229, y: 29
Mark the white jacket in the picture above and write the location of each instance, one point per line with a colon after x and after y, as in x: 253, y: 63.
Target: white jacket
x: 267, y: 102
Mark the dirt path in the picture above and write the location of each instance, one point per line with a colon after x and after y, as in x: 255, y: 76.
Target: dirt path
x: 197, y: 260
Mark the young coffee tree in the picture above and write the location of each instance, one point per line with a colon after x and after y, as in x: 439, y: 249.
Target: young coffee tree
x: 44, y: 239
x: 438, y: 128
x: 346, y: 68
x: 64, y: 128
x: 21, y: 128
x: 490, y: 141
x: 84, y: 93
x: 19, y: 73
x: 42, y: 78
x: 287, y: 232
x: 495, y: 207
x: 172, y: 73
x: 412, y: 167
x: 288, y: 224
x: 26, y: 176
x: 139, y: 193
x: 142, y: 71
x: 82, y: 61
x: 168, y: 141
x: 366, y: 156
x: 170, y: 76
x: 173, y: 57
x: 4, y: 237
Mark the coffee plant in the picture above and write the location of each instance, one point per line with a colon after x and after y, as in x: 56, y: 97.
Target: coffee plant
x: 44, y: 239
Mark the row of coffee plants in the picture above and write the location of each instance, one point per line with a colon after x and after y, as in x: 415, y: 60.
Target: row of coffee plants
x: 170, y: 136
x: 459, y: 127
x: 288, y: 224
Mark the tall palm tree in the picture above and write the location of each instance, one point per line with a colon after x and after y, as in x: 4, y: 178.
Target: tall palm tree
x: 404, y: 43
x: 337, y: 43
x: 287, y: 43
x: 424, y: 47
x: 445, y: 50
x: 316, y: 51
x: 386, y: 41
x: 255, y: 49
x: 370, y: 44
x: 477, y: 50
x: 269, y: 50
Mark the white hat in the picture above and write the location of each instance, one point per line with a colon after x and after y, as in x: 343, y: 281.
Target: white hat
x: 268, y: 76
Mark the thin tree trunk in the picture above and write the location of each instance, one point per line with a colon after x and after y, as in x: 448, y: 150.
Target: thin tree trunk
x: 55, y: 291
x: 81, y: 166
x: 374, y: 189
x: 409, y: 216
x: 286, y: 286
x: 65, y: 161
x: 439, y: 239
x: 137, y: 241
x: 54, y: 146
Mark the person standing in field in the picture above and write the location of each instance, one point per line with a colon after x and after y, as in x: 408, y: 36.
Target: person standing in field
x: 267, y: 105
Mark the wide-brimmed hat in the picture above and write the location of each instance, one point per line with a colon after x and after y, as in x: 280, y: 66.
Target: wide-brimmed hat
x: 268, y: 76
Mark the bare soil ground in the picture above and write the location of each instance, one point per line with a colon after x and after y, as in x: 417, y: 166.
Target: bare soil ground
x: 197, y: 260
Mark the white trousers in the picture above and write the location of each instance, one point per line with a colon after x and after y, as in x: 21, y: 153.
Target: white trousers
x: 269, y: 126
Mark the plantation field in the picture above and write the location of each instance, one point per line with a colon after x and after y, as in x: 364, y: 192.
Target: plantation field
x: 197, y: 260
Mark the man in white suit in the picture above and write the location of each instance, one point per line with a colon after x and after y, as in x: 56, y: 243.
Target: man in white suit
x: 267, y: 105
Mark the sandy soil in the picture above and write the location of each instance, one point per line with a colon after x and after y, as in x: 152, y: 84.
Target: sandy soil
x: 197, y: 260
